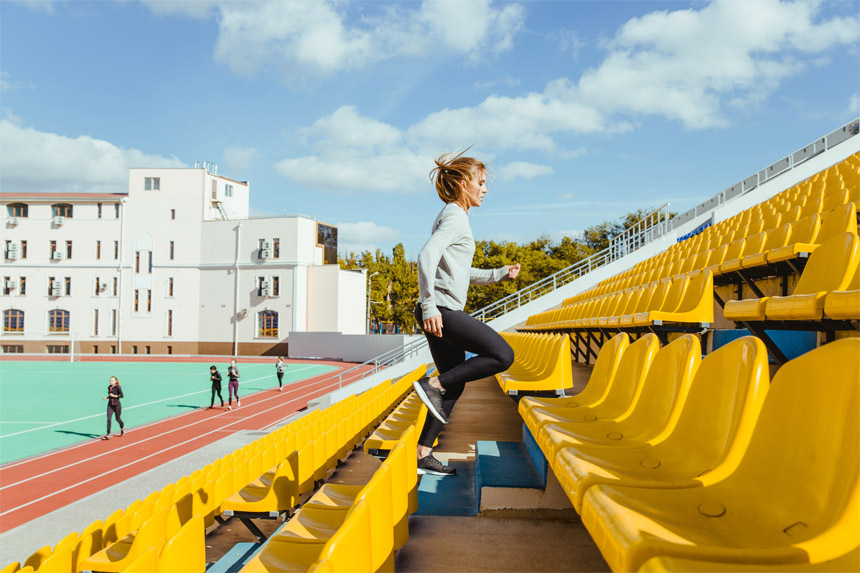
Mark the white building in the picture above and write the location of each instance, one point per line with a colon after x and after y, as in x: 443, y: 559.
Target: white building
x: 175, y: 266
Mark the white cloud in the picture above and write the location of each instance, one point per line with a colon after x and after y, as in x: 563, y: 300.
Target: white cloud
x: 854, y: 105
x: 523, y: 170
x: 306, y: 39
x: 39, y: 5
x: 198, y: 9
x: 365, y: 236
x: 239, y: 158
x: 688, y: 66
x: 37, y: 161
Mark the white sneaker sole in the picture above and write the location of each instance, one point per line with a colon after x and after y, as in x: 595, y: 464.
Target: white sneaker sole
x: 422, y: 472
x: 423, y: 397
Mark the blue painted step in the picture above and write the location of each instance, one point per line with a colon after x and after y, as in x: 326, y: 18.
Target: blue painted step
x: 235, y: 559
x: 505, y: 464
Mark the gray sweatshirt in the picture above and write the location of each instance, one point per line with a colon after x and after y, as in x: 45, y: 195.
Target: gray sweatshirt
x: 445, y: 264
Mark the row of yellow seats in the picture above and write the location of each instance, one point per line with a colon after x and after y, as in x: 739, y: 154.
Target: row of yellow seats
x: 541, y: 363
x: 410, y: 412
x: 680, y: 463
x: 741, y: 249
x: 331, y: 435
x: 210, y: 491
x: 349, y: 528
x: 788, y: 207
x: 829, y: 287
x: 685, y: 298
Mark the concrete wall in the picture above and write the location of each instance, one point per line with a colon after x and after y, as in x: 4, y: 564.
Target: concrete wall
x: 346, y: 347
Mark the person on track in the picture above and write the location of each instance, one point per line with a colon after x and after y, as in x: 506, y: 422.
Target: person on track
x: 233, y: 386
x: 215, y: 378
x: 279, y: 370
x: 114, y: 408
x: 444, y: 275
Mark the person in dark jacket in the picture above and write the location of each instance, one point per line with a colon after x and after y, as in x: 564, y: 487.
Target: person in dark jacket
x: 215, y: 378
x: 233, y: 385
x: 114, y: 408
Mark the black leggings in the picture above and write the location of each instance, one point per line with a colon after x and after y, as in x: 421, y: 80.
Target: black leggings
x: 117, y: 411
x: 280, y: 379
x: 461, y: 333
x: 216, y: 390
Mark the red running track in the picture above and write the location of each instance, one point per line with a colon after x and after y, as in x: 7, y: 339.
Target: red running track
x: 39, y: 485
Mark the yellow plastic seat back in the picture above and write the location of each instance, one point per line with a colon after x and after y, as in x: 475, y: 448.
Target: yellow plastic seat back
x: 803, y: 461
x: 350, y: 548
x: 831, y: 266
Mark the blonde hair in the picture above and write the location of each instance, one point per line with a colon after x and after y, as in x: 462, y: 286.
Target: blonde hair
x: 452, y: 171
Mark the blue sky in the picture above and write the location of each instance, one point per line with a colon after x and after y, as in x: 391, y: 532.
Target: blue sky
x: 584, y: 110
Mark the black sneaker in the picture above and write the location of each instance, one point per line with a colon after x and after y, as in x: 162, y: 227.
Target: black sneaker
x: 434, y: 467
x: 431, y: 397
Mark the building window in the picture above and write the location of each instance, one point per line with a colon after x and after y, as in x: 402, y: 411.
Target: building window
x: 53, y: 246
x: 173, y: 214
x: 169, y: 286
x: 136, y: 262
x: 95, y: 348
x: 148, y: 301
x: 58, y: 348
x: 13, y: 320
x: 276, y: 288
x: 22, y: 286
x: 268, y: 324
x: 276, y: 248
x: 95, y: 322
x: 171, y: 250
x: 169, y: 323
x: 58, y: 320
x: 61, y: 210
x: 116, y: 210
x: 149, y: 259
x: 136, y: 299
x: 147, y: 349
x: 17, y: 210
x: 262, y: 287
x: 7, y: 285
x: 151, y: 183
x: 52, y: 291
x: 13, y: 349
x: 134, y: 349
x: 68, y: 285
x: 115, y: 287
x: 23, y: 249
x: 116, y: 250
x: 113, y: 324
x: 327, y: 239
x: 99, y: 205
x: 169, y: 349
x: 68, y: 249
x: 228, y: 190
x: 98, y: 249
x: 96, y: 290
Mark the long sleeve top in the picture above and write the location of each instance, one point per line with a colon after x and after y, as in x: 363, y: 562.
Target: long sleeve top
x: 445, y: 264
x: 215, y: 377
x: 114, y: 394
x: 233, y: 372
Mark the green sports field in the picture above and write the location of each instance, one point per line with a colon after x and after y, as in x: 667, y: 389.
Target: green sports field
x: 48, y: 405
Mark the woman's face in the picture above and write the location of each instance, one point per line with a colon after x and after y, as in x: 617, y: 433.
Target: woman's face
x: 474, y: 190
x: 113, y: 381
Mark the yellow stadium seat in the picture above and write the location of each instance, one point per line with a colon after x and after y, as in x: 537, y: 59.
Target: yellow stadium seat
x: 118, y: 555
x: 320, y: 522
x: 775, y: 239
x: 654, y: 411
x: 675, y: 290
x: 60, y: 561
x: 625, y: 390
x: 830, y: 268
x: 752, y: 245
x: 840, y: 220
x: 844, y: 304
x: 848, y: 562
x: 605, y: 368
x: 38, y: 557
x: 696, y: 305
x: 794, y: 497
x: 90, y: 542
x: 348, y: 549
x: 146, y: 562
x: 12, y: 567
x: 185, y: 552
x: 280, y: 494
x: 710, y: 435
